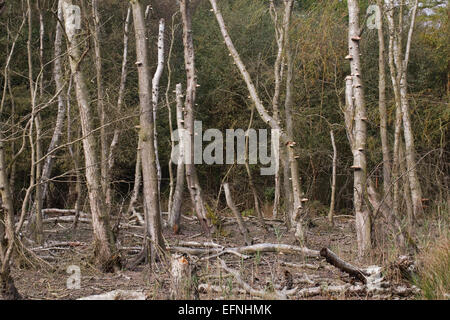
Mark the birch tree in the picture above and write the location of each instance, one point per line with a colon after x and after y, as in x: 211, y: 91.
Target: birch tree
x: 399, y: 69
x: 175, y: 208
x: 356, y: 107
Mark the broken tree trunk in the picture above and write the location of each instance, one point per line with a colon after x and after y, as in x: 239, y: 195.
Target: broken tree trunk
x: 183, y: 278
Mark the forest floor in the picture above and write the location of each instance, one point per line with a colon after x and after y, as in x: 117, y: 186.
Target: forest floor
x: 266, y: 271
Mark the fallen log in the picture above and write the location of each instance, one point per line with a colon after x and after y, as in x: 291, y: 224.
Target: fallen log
x: 262, y: 247
x: 284, y: 248
x: 333, y: 289
x: 117, y: 295
x: 64, y: 212
x: 346, y: 267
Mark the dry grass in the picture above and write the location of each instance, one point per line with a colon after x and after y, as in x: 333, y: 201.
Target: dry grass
x: 434, y: 270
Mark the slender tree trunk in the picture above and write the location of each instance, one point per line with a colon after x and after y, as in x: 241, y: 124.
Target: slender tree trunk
x: 115, y: 139
x: 382, y: 108
x: 155, y: 95
x: 237, y: 214
x: 61, y: 113
x: 286, y: 139
x: 104, y: 247
x: 399, y: 73
x: 333, y: 180
x: 175, y: 209
x: 75, y: 157
x: 100, y: 95
x: 169, y: 115
x: 191, y: 172
x: 149, y: 171
x: 355, y: 91
x: 278, y: 76
x: 249, y: 173
x: 137, y: 186
x: 7, y: 233
x: 37, y: 227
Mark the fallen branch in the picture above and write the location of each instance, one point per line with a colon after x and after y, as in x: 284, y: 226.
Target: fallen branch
x: 249, y: 289
x: 67, y: 212
x: 346, y: 267
x: 262, y: 247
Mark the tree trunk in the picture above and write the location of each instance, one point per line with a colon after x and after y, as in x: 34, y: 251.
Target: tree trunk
x: 237, y: 214
x: 7, y: 233
x: 333, y: 180
x: 100, y: 95
x: 382, y: 107
x: 155, y: 95
x: 115, y: 139
x: 399, y: 78
x: 191, y: 84
x: 104, y: 246
x: 355, y: 91
x: 61, y: 113
x: 175, y: 210
x: 149, y: 171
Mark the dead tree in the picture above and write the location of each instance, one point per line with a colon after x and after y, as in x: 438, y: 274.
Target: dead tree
x: 49, y: 157
x: 398, y: 69
x: 149, y: 171
x: 175, y: 209
x: 295, y: 217
x: 155, y: 93
x: 333, y: 180
x: 104, y: 247
x: 382, y: 107
x: 101, y: 111
x: 123, y: 80
x: 191, y: 86
x: 356, y: 109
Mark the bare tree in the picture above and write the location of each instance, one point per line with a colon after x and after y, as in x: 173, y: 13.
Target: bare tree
x: 355, y: 94
x: 398, y: 70
x: 155, y: 93
x: 175, y: 209
x: 123, y: 80
x: 191, y: 86
x: 333, y: 180
x: 149, y: 171
x: 382, y: 107
x: 104, y: 246
x: 296, y: 214
x: 100, y: 94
